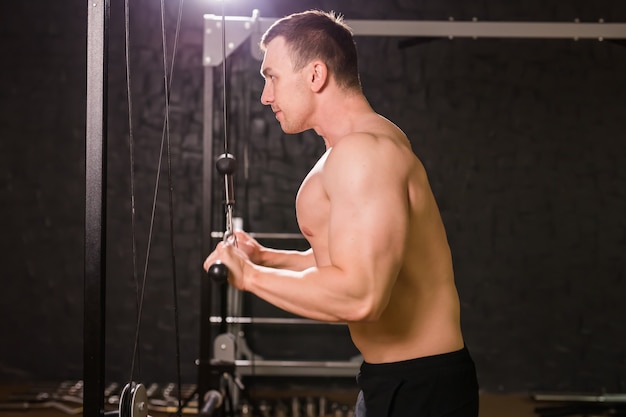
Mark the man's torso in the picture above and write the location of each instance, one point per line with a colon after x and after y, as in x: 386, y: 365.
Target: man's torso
x: 422, y: 315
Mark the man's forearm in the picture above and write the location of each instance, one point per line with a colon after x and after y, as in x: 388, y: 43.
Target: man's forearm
x: 287, y: 259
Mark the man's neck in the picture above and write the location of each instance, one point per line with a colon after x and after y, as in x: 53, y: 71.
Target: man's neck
x: 338, y: 115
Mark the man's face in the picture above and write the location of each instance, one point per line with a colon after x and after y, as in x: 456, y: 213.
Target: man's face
x: 285, y: 91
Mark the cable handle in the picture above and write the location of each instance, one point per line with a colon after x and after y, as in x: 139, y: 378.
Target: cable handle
x: 226, y: 166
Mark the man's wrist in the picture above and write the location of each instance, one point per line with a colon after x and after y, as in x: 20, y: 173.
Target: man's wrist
x: 249, y: 272
x: 261, y: 256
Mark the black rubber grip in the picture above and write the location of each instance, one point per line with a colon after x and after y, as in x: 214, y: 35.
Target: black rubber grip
x: 218, y: 272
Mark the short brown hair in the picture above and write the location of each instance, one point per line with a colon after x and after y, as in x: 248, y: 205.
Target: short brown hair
x: 315, y: 34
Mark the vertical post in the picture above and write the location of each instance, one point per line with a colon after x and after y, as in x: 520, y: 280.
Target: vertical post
x: 206, y: 285
x: 95, y: 208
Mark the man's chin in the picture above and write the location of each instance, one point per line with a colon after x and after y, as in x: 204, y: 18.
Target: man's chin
x: 288, y: 130
x: 291, y: 130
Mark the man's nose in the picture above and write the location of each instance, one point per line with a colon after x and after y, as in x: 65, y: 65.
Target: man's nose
x: 266, y: 96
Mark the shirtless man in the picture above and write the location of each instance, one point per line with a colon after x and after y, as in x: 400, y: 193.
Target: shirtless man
x: 379, y: 257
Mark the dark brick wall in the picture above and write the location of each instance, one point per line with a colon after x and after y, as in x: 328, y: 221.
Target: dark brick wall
x: 522, y: 139
x: 42, y: 195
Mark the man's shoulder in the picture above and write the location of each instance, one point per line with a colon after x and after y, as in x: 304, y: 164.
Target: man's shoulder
x: 356, y: 147
x: 380, y: 143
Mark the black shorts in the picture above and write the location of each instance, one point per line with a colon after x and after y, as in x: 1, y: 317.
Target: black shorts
x: 440, y: 385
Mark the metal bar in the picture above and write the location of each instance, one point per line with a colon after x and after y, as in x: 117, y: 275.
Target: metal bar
x: 207, y: 287
x: 262, y: 235
x: 269, y: 320
x: 297, y: 368
x: 477, y: 29
x: 252, y: 28
x: 95, y: 207
x: 587, y: 398
x: 474, y: 28
x: 208, y: 167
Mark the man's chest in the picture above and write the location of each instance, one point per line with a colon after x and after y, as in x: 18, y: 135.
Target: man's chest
x: 313, y: 205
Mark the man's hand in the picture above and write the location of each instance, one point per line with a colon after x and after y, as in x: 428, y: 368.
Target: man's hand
x: 234, y: 259
x: 250, y: 247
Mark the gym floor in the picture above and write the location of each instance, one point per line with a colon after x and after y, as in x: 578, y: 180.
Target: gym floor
x: 491, y: 405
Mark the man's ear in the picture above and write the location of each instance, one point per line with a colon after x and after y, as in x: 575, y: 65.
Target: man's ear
x: 319, y: 76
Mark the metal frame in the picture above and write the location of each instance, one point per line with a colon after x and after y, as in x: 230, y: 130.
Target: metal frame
x: 239, y: 29
x: 95, y: 208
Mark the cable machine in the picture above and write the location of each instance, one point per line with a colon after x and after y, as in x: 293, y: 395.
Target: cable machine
x: 230, y: 346
x: 211, y: 364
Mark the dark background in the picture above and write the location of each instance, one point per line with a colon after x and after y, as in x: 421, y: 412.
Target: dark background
x: 523, y: 141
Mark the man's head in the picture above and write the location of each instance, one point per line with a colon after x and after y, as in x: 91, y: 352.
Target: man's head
x: 318, y: 35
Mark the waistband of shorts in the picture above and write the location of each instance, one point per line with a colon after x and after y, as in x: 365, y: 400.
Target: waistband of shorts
x: 458, y: 357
